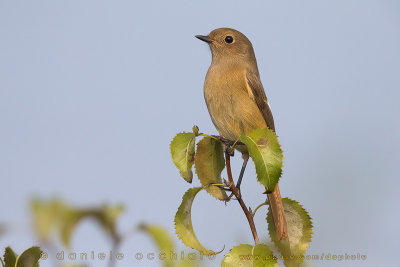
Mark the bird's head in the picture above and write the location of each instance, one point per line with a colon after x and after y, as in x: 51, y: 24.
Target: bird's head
x: 226, y: 43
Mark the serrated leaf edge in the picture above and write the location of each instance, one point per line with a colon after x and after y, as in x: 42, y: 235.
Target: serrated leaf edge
x: 19, y: 256
x: 306, y: 215
x: 8, y: 248
x: 253, y: 247
x: 170, y: 151
x: 280, y: 148
x: 208, y: 252
x: 205, y: 186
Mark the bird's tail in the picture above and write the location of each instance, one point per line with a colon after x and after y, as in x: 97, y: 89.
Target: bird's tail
x: 278, y: 214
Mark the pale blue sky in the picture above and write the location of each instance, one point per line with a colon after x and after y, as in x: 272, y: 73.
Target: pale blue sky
x: 92, y: 92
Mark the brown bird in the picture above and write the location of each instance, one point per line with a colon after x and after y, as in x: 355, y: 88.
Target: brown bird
x: 237, y: 102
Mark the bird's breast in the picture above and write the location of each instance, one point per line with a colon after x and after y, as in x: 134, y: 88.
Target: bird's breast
x: 231, y: 109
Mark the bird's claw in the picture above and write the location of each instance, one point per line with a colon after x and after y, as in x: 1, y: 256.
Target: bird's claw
x: 227, y: 145
x: 229, y: 151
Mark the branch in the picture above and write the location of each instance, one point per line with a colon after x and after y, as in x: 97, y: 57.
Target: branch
x: 235, y: 191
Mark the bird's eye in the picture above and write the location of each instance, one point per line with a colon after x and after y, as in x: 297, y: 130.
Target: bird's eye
x: 228, y: 39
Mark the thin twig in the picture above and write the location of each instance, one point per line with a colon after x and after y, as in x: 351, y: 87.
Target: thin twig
x: 235, y: 191
x: 221, y: 186
x: 210, y: 136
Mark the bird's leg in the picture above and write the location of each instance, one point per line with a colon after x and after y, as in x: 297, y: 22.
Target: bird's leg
x: 245, y: 160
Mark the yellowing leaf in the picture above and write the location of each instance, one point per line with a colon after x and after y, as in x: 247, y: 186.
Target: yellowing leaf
x: 183, y: 222
x: 163, y: 241
x: 266, y: 152
x: 47, y: 216
x: 182, y: 153
x: 70, y: 222
x: 250, y: 256
x: 56, y: 217
x: 209, y: 162
x: 106, y: 216
x: 299, y: 232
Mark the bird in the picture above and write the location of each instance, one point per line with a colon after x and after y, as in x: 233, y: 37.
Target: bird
x: 236, y: 101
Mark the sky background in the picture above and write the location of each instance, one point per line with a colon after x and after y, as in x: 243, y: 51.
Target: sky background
x: 92, y: 93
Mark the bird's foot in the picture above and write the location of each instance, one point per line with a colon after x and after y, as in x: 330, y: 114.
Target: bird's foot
x: 227, y: 144
x: 229, y: 150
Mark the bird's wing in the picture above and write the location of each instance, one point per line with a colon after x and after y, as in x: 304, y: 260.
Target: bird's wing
x: 257, y: 93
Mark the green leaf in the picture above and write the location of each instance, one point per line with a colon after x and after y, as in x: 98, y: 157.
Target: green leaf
x: 163, y: 241
x: 183, y: 222
x: 29, y: 258
x: 10, y: 258
x: 249, y: 256
x: 266, y: 152
x: 182, y: 153
x: 209, y: 162
x: 299, y: 232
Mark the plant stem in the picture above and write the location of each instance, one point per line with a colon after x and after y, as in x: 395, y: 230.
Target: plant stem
x: 115, y: 247
x: 235, y: 191
x: 210, y: 136
x: 259, y: 206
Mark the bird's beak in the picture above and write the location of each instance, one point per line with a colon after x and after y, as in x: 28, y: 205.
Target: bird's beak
x: 204, y: 38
